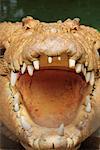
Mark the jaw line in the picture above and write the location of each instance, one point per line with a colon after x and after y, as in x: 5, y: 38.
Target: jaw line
x: 73, y: 131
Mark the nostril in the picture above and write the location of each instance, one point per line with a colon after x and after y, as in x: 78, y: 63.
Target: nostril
x: 2, y: 51
x: 27, y: 28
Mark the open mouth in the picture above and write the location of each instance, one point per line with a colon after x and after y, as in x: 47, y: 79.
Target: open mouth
x: 52, y: 96
x: 54, y: 92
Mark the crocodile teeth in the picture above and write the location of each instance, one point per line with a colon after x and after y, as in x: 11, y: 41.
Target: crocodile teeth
x: 72, y: 63
x: 16, y: 98
x: 24, y: 123
x: 36, y: 143
x: 30, y: 69
x: 69, y: 142
x: 83, y: 70
x: 16, y: 107
x: 23, y: 69
x: 88, y: 104
x: 92, y: 80
x: 49, y: 60
x: 14, y: 77
x: 87, y: 99
x: 87, y: 76
x: 16, y: 102
x: 36, y: 64
x: 61, y: 130
x: 78, y: 68
x: 88, y: 107
x: 75, y: 140
x: 59, y: 58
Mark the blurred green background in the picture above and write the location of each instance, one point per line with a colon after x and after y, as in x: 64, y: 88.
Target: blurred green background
x: 52, y: 10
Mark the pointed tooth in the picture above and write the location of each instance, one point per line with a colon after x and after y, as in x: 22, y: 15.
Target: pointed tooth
x: 14, y: 77
x: 36, y: 143
x: 16, y: 102
x: 83, y: 70
x: 88, y: 107
x: 61, y: 130
x: 72, y: 63
x: 87, y: 99
x: 87, y: 76
x: 69, y: 142
x: 92, y: 79
x: 16, y: 98
x: 36, y: 64
x: 75, y: 140
x: 86, y: 64
x: 59, y: 58
x: 23, y: 69
x: 49, y: 60
x: 24, y: 123
x: 16, y: 107
x: 30, y: 69
x: 78, y: 68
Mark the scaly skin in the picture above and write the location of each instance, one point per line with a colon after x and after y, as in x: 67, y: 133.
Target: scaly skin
x: 25, y: 42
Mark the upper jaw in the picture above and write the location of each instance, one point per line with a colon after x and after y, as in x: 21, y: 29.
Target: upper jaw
x: 59, y: 61
x: 53, y: 39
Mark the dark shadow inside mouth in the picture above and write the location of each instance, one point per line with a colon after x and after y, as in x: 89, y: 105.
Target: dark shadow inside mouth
x: 2, y: 51
x: 52, y: 96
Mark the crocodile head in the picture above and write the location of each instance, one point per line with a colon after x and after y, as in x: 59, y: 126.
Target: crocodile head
x: 49, y: 82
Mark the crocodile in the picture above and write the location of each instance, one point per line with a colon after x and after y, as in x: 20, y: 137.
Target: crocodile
x: 49, y: 82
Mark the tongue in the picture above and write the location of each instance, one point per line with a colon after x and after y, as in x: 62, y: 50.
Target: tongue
x: 51, y: 97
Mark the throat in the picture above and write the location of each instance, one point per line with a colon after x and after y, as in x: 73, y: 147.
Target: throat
x: 52, y: 97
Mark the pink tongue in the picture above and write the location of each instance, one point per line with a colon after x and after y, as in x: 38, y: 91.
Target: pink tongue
x: 51, y: 97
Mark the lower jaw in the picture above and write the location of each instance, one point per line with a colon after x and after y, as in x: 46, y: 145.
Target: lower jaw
x: 55, y: 137
x: 38, y: 137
